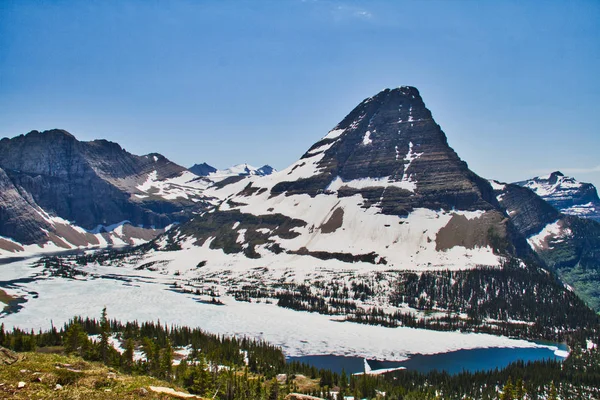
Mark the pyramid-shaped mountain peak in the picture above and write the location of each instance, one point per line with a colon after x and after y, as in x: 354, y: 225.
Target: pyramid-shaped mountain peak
x: 382, y: 187
x: 389, y: 145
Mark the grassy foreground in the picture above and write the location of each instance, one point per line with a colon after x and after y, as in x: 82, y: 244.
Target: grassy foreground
x: 78, y: 379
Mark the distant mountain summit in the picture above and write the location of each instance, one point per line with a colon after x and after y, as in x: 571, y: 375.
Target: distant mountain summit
x: 390, y: 151
x: 202, y: 169
x: 566, y: 194
x: 238, y: 170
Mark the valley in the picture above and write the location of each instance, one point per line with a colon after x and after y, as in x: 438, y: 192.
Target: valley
x: 378, y: 244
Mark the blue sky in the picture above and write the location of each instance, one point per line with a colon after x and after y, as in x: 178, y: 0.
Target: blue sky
x: 515, y: 85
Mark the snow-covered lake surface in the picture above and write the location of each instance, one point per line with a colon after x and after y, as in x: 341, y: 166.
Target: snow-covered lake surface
x: 138, y: 295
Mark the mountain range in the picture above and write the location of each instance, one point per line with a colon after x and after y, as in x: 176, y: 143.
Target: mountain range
x: 61, y: 193
x: 379, y: 201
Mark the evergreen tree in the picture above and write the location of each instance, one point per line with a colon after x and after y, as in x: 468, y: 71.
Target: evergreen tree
x: 519, y: 390
x: 552, y: 393
x: 507, y: 391
x: 76, y: 340
x: 104, y: 334
x: 148, y: 348
x: 166, y: 361
x: 128, y: 355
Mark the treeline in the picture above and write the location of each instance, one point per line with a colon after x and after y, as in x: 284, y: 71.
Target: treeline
x: 226, y: 367
x: 525, y: 302
x: 232, y: 368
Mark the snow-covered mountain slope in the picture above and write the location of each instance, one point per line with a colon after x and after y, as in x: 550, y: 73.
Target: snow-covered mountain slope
x: 217, y: 175
x: 567, y: 244
x: 57, y: 189
x: 382, y: 191
x: 566, y: 194
x: 382, y: 188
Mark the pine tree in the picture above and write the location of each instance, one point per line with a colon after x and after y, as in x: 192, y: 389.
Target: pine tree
x: 75, y: 339
x: 148, y: 349
x: 507, y: 391
x: 552, y: 393
x: 519, y: 390
x: 104, y: 334
x: 199, y: 380
x: 166, y: 361
x: 128, y: 355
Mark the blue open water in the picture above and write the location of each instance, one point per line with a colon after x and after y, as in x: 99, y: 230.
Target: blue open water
x: 452, y: 362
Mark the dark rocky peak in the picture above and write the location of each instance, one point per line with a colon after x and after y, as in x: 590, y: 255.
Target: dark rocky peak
x: 265, y: 170
x: 379, y: 137
x: 555, y: 176
x: 106, y: 145
x: 390, y: 106
x: 391, y: 141
x: 50, y: 134
x: 202, y: 169
x: 53, y: 153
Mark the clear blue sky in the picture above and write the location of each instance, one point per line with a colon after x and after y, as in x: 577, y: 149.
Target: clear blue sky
x: 515, y: 85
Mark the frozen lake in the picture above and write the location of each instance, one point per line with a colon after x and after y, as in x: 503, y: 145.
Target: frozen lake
x: 147, y: 296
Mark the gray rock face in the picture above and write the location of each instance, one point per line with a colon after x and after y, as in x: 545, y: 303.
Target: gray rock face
x: 19, y: 218
x: 566, y: 194
x: 528, y: 212
x: 87, y: 183
x: 393, y: 135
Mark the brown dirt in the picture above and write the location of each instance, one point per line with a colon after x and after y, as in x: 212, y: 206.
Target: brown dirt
x: 10, y: 246
x: 58, y: 241
x: 131, y: 231
x: 74, y: 237
x: 334, y: 222
x: 461, y: 231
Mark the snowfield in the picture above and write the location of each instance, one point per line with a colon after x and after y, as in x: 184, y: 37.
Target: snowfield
x: 551, y: 231
x: 146, y: 296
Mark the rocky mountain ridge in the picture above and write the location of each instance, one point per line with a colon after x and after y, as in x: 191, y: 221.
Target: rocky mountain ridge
x: 60, y: 193
x: 566, y: 194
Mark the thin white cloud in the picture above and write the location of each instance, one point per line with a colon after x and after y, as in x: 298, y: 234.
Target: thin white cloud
x: 363, y: 14
x: 582, y: 170
x: 589, y: 170
x: 342, y: 11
